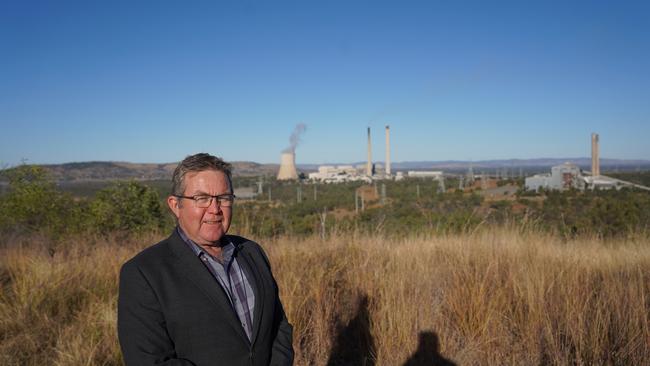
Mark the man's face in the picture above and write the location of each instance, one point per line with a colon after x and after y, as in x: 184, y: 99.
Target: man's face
x: 204, y: 226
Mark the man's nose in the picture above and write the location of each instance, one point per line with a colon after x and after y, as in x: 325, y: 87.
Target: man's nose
x: 214, y: 205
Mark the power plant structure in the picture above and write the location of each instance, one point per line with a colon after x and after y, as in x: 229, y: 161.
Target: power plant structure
x: 369, y: 163
x: 567, y: 175
x: 562, y: 177
x: 339, y: 174
x: 595, y: 155
x: 287, y: 167
x: 362, y: 172
x: 288, y: 158
x: 387, y: 168
x: 371, y: 167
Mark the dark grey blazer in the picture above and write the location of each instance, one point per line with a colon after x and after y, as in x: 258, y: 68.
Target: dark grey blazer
x: 172, y: 311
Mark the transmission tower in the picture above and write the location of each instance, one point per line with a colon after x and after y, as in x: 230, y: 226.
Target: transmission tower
x: 470, y: 174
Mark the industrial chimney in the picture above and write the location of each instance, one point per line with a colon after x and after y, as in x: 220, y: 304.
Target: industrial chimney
x: 387, y: 150
x: 595, y: 155
x: 287, y: 167
x: 369, y: 163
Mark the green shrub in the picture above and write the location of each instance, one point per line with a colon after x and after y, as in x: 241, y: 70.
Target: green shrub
x: 127, y: 206
x: 33, y: 204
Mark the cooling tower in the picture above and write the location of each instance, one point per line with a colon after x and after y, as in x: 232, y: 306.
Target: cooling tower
x: 595, y: 155
x: 387, y: 150
x: 287, y: 167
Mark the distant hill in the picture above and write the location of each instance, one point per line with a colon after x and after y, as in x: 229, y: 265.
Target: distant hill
x: 108, y: 170
x: 102, y: 170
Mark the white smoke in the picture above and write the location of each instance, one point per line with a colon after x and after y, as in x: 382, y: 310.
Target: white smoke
x: 294, y: 140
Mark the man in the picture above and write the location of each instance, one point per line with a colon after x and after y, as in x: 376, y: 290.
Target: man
x: 201, y: 297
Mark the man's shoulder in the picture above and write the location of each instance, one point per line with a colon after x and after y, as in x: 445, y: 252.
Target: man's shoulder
x: 151, y: 255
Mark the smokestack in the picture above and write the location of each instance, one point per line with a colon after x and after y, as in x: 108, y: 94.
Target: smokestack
x: 369, y: 163
x: 595, y: 155
x: 287, y: 167
x: 387, y: 150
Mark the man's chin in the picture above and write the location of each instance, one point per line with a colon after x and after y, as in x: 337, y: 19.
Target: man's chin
x: 212, y: 238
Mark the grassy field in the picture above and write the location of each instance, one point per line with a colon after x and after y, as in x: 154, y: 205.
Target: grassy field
x: 495, y: 296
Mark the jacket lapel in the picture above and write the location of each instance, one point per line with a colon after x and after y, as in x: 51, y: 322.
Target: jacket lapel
x: 190, y: 265
x: 249, y: 265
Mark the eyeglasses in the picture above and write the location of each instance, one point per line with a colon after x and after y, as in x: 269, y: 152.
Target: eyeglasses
x: 204, y: 200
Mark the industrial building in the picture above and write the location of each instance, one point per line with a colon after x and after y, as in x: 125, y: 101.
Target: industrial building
x: 567, y: 176
x: 562, y: 177
x: 347, y: 173
x: 338, y: 174
x: 435, y: 174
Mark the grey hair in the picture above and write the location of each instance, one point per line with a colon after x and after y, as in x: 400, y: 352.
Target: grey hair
x: 198, y: 163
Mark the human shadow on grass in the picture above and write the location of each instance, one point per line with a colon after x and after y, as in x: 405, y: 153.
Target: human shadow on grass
x: 428, y: 352
x: 354, y: 344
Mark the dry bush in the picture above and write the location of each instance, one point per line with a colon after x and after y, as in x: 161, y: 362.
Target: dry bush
x: 496, y: 296
x: 58, y: 302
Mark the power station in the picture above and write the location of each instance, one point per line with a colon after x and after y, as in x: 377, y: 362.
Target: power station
x: 562, y: 177
x: 568, y: 175
x: 367, y: 172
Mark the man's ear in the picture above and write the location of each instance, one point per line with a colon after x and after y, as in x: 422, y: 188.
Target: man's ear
x: 174, y: 205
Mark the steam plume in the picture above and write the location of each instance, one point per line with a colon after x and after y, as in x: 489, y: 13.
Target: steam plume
x: 294, y: 140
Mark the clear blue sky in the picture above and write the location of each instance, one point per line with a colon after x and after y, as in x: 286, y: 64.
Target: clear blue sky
x: 155, y: 81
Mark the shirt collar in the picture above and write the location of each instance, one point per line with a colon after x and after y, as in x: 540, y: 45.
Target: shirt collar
x: 227, y: 250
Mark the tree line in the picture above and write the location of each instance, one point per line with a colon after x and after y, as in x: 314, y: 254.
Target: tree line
x: 32, y: 203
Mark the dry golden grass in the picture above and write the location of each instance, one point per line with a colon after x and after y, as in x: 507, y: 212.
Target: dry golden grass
x: 497, y: 296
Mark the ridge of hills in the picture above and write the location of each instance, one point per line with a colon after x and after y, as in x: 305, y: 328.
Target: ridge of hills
x: 109, y: 170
